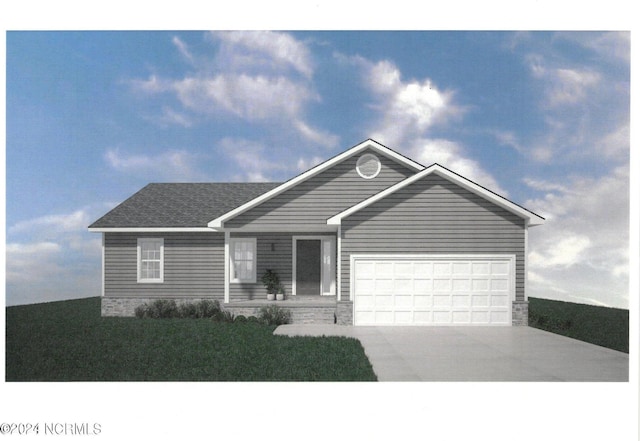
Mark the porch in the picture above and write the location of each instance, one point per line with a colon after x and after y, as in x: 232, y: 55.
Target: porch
x: 304, y: 309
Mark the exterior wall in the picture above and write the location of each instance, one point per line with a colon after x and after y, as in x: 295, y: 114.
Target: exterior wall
x: 433, y: 216
x: 193, y: 266
x: 279, y: 258
x: 312, y: 202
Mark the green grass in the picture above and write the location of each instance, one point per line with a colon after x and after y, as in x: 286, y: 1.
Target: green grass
x: 608, y: 327
x: 69, y: 341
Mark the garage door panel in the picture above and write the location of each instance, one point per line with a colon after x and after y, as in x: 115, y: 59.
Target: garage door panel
x: 442, y: 269
x: 479, y: 301
x: 442, y: 317
x: 480, y: 317
x: 383, y: 301
x: 461, y: 268
x: 403, y: 317
x: 480, y: 285
x: 442, y: 285
x: 461, y: 285
x: 460, y: 317
x: 422, y: 270
x: 422, y: 285
x: 461, y: 301
x: 440, y: 301
x: 498, y: 269
x: 499, y: 284
x: 422, y: 317
x: 422, y: 301
x: 433, y: 291
x: 403, y: 301
x: 401, y: 286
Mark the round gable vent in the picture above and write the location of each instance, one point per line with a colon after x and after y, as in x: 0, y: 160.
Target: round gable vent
x: 368, y: 166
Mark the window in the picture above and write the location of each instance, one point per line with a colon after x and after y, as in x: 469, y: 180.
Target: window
x: 150, y: 260
x: 242, y: 254
x: 368, y: 166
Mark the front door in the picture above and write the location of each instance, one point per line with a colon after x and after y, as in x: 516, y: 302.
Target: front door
x: 314, y: 265
x: 308, y: 266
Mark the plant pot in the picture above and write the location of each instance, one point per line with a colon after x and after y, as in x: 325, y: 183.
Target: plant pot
x: 279, y: 296
x: 271, y: 296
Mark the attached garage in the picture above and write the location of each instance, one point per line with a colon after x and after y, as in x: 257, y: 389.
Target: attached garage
x: 433, y: 290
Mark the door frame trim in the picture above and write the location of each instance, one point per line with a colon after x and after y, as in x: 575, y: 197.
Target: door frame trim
x: 330, y: 258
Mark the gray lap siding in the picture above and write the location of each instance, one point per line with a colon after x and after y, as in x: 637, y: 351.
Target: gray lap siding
x: 193, y: 266
x: 312, y: 202
x: 433, y: 216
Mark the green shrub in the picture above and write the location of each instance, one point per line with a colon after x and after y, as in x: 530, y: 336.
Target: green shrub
x: 240, y: 319
x: 207, y: 308
x: 224, y: 316
x: 274, y: 315
x: 187, y: 310
x: 252, y: 319
x: 158, y: 309
x: 169, y: 309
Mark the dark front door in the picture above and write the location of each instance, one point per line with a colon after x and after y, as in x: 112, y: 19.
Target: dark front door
x: 308, y: 267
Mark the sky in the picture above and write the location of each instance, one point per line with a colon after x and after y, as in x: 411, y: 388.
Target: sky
x: 542, y: 118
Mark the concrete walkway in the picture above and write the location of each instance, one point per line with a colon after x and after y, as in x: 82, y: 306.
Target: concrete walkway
x: 518, y: 353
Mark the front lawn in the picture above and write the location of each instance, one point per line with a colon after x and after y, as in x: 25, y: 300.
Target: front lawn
x: 69, y: 341
x: 608, y: 327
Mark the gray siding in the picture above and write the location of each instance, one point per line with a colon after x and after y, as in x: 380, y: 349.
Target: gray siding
x: 312, y: 202
x: 280, y: 260
x: 433, y: 216
x: 193, y: 266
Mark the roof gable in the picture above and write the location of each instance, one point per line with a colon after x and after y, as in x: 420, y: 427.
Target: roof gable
x: 368, y: 144
x: 531, y: 218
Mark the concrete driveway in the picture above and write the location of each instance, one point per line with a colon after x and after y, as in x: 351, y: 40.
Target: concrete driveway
x: 518, y: 353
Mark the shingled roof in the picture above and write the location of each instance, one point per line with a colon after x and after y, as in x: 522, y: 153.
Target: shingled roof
x: 180, y: 205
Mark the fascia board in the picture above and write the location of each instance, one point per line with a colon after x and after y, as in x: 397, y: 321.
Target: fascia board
x: 150, y: 230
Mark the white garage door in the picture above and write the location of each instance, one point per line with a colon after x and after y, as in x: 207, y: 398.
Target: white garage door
x: 430, y: 290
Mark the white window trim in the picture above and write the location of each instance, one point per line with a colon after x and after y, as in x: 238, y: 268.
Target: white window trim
x: 232, y: 247
x: 141, y: 240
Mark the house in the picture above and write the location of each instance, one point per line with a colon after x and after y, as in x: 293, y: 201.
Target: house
x: 368, y: 237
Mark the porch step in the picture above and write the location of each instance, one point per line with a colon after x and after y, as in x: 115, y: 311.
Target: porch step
x: 301, y: 312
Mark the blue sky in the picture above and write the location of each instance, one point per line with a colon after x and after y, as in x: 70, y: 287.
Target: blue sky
x: 540, y: 117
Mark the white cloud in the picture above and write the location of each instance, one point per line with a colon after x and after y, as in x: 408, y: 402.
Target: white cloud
x: 254, y: 159
x: 408, y: 109
x: 583, y: 248
x: 452, y: 156
x: 54, y: 222
x: 173, y: 165
x: 53, y: 257
x: 563, y: 85
x: 183, y: 49
x: 254, y: 98
x: 39, y: 272
x: 259, y: 77
x: 246, y: 49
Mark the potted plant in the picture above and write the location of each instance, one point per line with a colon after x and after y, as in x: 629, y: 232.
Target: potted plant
x: 280, y: 293
x: 271, y: 281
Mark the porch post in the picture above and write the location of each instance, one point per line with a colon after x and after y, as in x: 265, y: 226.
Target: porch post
x: 339, y: 264
x: 227, y: 236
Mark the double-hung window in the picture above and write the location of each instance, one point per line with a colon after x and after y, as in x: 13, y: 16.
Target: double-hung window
x: 150, y: 260
x: 242, y: 254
